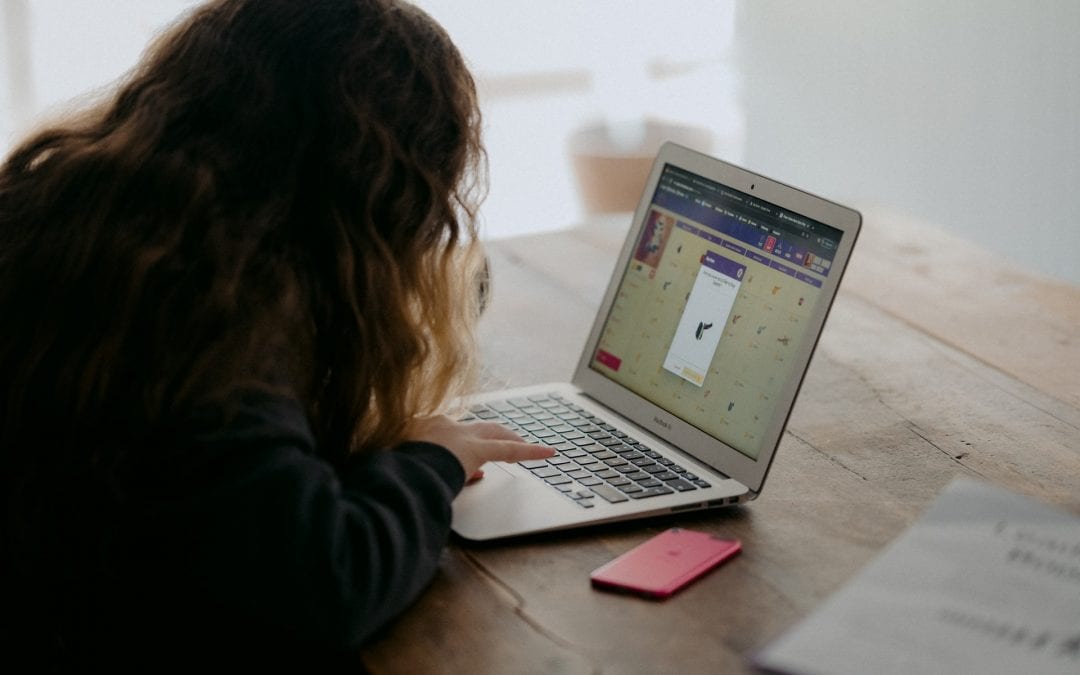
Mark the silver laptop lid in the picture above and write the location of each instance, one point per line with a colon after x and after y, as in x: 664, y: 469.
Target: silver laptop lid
x: 714, y: 309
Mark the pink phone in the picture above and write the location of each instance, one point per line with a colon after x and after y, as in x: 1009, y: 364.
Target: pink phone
x: 664, y: 564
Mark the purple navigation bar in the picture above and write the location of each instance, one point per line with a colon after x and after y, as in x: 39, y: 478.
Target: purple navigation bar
x: 754, y: 236
x: 725, y: 266
x: 736, y: 270
x: 808, y: 279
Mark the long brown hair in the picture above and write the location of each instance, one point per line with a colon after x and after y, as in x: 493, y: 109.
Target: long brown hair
x: 282, y: 194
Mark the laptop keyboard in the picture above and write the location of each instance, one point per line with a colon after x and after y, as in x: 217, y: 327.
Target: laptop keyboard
x: 593, y: 458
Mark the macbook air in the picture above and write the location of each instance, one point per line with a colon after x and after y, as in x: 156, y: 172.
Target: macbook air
x: 693, y: 364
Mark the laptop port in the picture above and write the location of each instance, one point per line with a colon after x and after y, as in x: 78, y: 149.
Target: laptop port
x: 687, y: 507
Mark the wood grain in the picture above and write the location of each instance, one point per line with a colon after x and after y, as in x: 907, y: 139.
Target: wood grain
x: 909, y: 388
x: 1016, y: 321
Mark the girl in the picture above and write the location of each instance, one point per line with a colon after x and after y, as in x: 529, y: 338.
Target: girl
x: 235, y: 298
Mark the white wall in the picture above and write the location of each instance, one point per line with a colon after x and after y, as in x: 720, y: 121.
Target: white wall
x: 961, y: 113
x: 588, y: 60
x: 66, y: 49
x: 965, y: 113
x: 544, y: 69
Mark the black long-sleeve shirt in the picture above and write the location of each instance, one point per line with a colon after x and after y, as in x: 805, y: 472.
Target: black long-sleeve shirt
x: 247, y: 544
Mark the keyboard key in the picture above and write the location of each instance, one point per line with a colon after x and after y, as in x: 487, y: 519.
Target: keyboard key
x: 620, y: 481
x: 701, y: 483
x: 590, y: 481
x: 609, y: 493
x: 534, y: 463
x: 558, y: 480
x: 546, y: 472
x: 664, y: 476
x: 649, y: 483
x: 607, y: 474
x: 652, y: 492
x: 680, y: 485
x: 578, y: 474
x: 630, y: 488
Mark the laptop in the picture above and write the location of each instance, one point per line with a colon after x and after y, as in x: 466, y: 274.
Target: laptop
x: 688, y: 377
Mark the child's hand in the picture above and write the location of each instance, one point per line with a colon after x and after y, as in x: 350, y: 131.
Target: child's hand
x: 475, y: 443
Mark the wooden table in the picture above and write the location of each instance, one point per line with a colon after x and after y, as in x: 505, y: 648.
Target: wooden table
x: 938, y: 360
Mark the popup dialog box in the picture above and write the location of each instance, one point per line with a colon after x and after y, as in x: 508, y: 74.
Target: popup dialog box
x: 703, y: 320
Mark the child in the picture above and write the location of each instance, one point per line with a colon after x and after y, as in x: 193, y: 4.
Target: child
x: 236, y: 297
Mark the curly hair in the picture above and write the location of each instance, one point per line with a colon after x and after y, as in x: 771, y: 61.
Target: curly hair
x: 282, y: 194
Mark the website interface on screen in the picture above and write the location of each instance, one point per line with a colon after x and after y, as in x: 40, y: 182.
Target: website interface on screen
x: 714, y: 304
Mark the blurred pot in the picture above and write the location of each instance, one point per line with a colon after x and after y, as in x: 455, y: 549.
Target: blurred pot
x: 611, y: 161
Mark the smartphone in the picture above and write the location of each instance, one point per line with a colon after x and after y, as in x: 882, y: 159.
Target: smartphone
x: 664, y: 564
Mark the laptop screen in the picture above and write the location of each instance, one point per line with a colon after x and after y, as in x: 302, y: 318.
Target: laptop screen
x: 713, y: 304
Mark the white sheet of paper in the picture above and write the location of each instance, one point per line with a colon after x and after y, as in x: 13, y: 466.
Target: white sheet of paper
x: 985, y: 581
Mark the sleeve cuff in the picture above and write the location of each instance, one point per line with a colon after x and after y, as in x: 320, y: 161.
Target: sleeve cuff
x: 441, y: 460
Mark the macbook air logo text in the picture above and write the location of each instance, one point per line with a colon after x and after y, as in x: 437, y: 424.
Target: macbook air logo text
x: 666, y: 425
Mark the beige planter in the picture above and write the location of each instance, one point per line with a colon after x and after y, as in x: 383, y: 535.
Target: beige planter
x: 611, y: 169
